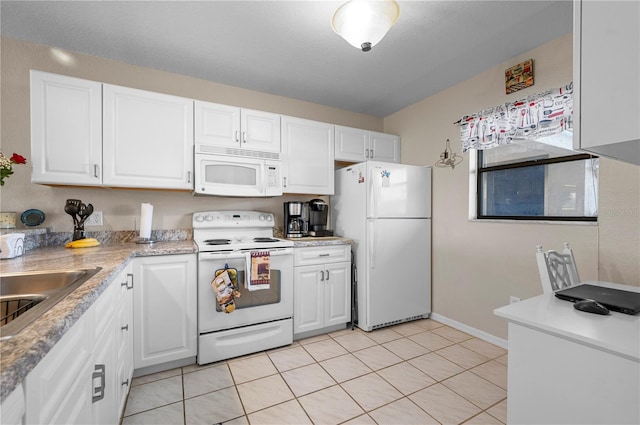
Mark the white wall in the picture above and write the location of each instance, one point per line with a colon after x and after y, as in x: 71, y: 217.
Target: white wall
x: 477, y: 266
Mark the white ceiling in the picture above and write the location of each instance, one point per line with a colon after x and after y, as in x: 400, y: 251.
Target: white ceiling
x: 288, y: 48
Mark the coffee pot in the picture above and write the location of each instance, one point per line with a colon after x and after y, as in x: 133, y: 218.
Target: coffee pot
x: 295, y: 219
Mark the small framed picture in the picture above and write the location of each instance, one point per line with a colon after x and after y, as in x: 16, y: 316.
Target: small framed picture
x: 519, y: 76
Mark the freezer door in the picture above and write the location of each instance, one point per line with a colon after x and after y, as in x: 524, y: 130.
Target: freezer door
x: 398, y: 190
x: 399, y: 270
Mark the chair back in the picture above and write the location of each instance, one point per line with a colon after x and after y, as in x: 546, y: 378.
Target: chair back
x: 557, y: 270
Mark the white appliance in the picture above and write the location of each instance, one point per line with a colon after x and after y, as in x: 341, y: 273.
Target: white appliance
x: 386, y: 209
x: 236, y: 172
x: 262, y: 318
x: 11, y: 245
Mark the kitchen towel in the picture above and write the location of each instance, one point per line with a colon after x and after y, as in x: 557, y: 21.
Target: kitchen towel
x: 258, y: 270
x: 224, y: 286
x: 146, y: 217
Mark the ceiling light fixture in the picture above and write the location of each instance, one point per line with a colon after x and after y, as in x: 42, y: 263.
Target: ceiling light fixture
x: 363, y: 23
x: 448, y: 158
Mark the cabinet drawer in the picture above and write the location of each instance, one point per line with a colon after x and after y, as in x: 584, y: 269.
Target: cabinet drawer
x: 321, y: 255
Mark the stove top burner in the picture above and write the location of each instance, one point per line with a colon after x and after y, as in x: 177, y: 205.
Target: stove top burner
x: 217, y: 241
x: 265, y: 240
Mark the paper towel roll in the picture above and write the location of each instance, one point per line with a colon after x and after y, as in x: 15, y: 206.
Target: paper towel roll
x: 146, y: 217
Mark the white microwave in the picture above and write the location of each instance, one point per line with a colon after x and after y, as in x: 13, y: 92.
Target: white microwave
x: 225, y: 175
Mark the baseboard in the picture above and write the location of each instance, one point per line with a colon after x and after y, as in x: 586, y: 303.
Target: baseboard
x: 500, y: 342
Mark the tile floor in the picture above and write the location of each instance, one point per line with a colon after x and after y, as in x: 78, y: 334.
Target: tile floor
x: 421, y: 372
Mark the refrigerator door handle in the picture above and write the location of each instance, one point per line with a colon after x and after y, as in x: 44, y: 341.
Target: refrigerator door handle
x: 372, y: 197
x: 372, y: 244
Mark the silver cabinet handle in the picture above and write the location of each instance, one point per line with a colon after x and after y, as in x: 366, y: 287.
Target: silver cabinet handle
x: 188, y: 176
x: 327, y: 274
x: 236, y: 136
x: 125, y: 327
x: 322, y: 275
x: 98, y: 392
x: 244, y: 137
x: 372, y: 154
x: 324, y: 255
x: 95, y: 170
x: 284, y: 182
x: 126, y: 282
x: 125, y: 382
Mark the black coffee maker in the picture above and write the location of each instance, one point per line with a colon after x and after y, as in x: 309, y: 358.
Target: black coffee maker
x: 318, y: 213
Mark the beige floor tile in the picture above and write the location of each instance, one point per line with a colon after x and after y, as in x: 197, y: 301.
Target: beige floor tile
x: 444, y: 405
x: 371, y: 391
x: 345, y: 367
x: 402, y: 412
x: 477, y: 390
x: 218, y: 406
x: 284, y: 347
x: 384, y: 335
x: 307, y: 379
x: 503, y: 359
x: 291, y: 358
x: 436, y: 367
x: 462, y: 356
x: 264, y: 392
x: 430, y: 340
x: 206, y: 380
x: 242, y: 420
x: 313, y: 339
x: 377, y: 357
x: 170, y: 414
x: 409, y: 328
x: 154, y: 394
x: 155, y: 377
x: 452, y: 334
x: 345, y: 331
x: 483, y: 419
x: 499, y: 411
x: 405, y: 348
x: 197, y: 367
x: 324, y: 349
x: 330, y: 406
x: 483, y: 347
x: 406, y: 378
x: 289, y: 412
x: 428, y: 324
x: 361, y: 420
x: 354, y: 342
x: 494, y: 372
x: 250, y: 368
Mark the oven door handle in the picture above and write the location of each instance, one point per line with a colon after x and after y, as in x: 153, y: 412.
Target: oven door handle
x: 231, y: 255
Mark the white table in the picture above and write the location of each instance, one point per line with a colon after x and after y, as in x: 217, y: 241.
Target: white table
x: 568, y: 366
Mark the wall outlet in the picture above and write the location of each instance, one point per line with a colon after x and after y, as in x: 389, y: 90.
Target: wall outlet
x: 94, y: 219
x: 513, y: 299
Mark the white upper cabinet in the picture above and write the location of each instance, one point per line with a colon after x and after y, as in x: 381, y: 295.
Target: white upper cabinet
x: 308, y: 151
x: 606, y: 65
x: 356, y: 145
x: 231, y: 127
x: 66, y: 130
x: 148, y: 139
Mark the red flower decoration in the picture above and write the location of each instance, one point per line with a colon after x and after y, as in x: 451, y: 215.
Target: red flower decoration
x: 18, y: 159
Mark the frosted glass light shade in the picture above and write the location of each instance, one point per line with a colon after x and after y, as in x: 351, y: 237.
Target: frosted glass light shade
x: 363, y: 23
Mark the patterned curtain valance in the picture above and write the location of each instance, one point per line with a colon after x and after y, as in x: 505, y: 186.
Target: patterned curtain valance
x: 535, y: 116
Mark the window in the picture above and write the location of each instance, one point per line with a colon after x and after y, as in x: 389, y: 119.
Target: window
x: 531, y: 180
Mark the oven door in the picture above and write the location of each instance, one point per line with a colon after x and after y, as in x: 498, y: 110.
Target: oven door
x: 252, y: 307
x: 236, y: 176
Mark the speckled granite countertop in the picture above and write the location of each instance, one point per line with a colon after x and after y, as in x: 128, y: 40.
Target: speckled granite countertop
x: 321, y: 241
x: 22, y: 352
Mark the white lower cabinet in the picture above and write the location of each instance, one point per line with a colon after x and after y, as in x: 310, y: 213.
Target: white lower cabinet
x: 165, y: 305
x: 12, y: 408
x: 76, y: 382
x: 322, y: 288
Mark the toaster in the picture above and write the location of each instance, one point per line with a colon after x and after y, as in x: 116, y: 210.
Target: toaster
x: 11, y: 245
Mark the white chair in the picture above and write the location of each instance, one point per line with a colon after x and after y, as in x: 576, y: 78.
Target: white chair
x: 557, y: 270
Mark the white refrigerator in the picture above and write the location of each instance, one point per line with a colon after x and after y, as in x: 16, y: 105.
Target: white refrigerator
x: 386, y: 209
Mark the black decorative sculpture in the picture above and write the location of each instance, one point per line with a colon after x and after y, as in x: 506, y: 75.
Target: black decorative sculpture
x: 79, y: 212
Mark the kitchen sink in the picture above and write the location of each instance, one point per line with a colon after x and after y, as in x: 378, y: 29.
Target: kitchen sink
x: 26, y: 296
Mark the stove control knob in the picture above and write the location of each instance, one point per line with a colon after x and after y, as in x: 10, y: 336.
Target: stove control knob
x: 199, y: 218
x: 269, y: 218
x: 261, y: 218
x: 209, y: 218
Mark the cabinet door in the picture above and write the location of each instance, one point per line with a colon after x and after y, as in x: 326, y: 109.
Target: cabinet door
x: 308, y: 148
x: 164, y: 300
x: 384, y: 147
x: 352, y: 144
x: 606, y: 103
x: 104, y: 377
x: 308, y: 296
x: 148, y: 139
x: 260, y: 131
x: 337, y: 293
x: 124, y: 330
x: 217, y: 125
x: 66, y: 130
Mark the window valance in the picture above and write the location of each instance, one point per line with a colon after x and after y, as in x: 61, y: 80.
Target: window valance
x: 533, y: 117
